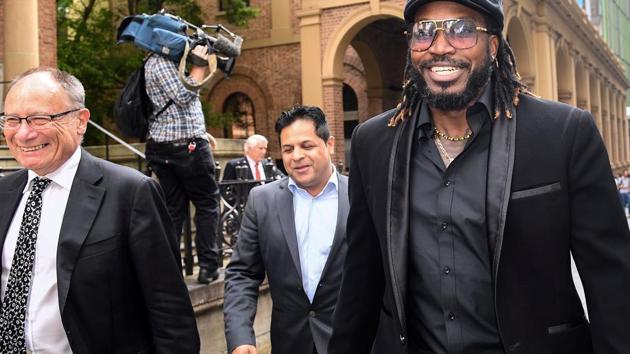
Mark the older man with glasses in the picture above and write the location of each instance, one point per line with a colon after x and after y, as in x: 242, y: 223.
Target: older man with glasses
x: 463, y: 244
x: 89, y: 257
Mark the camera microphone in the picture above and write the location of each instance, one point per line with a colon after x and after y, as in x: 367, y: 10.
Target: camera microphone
x: 225, y: 46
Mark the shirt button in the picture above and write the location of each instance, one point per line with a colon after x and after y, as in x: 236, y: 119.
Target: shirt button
x: 446, y: 270
x: 444, y: 226
x: 451, y: 316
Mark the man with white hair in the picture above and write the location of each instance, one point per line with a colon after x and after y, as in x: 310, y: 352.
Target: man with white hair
x: 255, y: 148
x: 88, y: 252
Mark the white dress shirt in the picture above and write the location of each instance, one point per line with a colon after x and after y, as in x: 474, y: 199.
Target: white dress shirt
x: 44, y: 331
x: 252, y: 166
x: 315, y: 225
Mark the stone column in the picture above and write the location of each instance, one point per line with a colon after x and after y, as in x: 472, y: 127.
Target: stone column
x: 605, y: 109
x: 626, y: 133
x: 310, y: 47
x: 21, y: 37
x: 596, y: 103
x: 624, y: 130
x: 614, y: 128
x: 582, y: 87
x: 545, y: 58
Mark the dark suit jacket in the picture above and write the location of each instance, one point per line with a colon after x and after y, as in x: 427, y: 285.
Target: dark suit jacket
x: 120, y: 287
x: 230, y: 170
x: 267, y: 243
x: 549, y: 191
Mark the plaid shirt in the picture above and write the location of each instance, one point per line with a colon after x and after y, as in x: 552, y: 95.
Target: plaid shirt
x: 183, y: 119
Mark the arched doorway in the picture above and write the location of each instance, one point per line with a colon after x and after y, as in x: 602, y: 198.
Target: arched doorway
x: 377, y: 35
x: 242, y: 109
x: 520, y: 47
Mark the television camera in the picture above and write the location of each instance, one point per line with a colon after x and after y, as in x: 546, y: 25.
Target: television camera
x: 172, y: 37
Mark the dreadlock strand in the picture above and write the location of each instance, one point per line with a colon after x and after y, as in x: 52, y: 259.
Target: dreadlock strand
x: 407, y: 97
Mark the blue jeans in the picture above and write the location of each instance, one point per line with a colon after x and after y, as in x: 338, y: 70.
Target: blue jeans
x: 189, y: 176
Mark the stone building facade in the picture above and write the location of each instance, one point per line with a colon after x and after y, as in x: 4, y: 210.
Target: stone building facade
x: 350, y: 53
x: 347, y: 57
x: 29, y: 37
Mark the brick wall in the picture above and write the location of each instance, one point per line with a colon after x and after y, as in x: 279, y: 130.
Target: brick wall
x: 271, y: 77
x: 47, y: 16
x: 354, y: 76
x: 258, y: 28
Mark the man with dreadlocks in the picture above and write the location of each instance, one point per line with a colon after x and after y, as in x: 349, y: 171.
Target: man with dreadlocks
x: 463, y: 245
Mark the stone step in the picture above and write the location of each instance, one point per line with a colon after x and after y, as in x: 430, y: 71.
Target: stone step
x: 7, y: 162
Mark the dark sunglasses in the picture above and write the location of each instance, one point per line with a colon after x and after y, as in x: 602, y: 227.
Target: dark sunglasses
x: 460, y: 33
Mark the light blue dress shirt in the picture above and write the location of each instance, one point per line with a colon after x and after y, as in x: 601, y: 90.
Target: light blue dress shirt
x: 315, y: 224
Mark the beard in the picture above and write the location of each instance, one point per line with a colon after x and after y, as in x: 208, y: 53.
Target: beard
x: 449, y: 101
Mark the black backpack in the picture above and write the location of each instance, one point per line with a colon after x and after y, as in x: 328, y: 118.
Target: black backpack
x: 133, y: 108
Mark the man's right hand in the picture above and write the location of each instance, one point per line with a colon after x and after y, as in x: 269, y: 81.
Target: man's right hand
x: 245, y: 349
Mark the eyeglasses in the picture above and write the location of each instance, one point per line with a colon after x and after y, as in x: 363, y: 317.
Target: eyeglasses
x: 460, y: 33
x: 38, y: 121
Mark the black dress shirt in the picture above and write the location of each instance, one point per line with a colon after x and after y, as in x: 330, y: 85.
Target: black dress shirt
x: 450, y: 294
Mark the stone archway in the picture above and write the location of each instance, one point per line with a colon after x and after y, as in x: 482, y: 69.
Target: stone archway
x: 248, y: 81
x: 241, y: 107
x: 238, y: 83
x: 346, y: 33
x: 521, y: 48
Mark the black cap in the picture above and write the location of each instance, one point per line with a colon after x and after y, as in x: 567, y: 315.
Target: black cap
x: 494, y: 8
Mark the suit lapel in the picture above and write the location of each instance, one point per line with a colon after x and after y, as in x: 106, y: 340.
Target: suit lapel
x: 397, y: 212
x: 340, y: 230
x: 83, y: 205
x: 499, y: 181
x: 287, y: 222
x: 9, y: 200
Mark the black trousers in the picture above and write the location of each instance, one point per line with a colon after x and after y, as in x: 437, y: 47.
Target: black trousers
x: 189, y: 176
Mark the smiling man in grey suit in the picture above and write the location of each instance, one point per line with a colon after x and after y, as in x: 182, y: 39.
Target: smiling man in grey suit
x: 88, y: 249
x: 294, y: 231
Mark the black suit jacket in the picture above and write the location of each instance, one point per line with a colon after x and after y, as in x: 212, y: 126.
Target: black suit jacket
x: 230, y: 170
x: 550, y: 191
x: 119, y: 283
x: 267, y: 243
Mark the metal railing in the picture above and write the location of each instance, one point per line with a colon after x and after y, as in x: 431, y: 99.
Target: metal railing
x: 232, y: 198
x: 140, y: 156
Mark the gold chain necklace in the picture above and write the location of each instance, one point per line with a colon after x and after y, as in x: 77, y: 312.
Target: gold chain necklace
x: 453, y: 138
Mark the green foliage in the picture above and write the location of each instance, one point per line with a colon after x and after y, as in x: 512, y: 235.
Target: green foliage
x: 217, y: 120
x: 238, y: 12
x: 86, y: 47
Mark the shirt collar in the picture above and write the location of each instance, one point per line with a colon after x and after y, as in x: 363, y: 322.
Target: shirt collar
x: 486, y: 100
x: 250, y: 161
x: 332, y: 184
x: 63, y: 176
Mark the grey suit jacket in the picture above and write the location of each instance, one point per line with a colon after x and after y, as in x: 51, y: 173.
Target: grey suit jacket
x: 267, y: 244
x: 120, y: 287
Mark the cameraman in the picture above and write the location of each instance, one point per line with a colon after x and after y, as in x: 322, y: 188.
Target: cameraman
x: 178, y: 152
